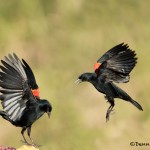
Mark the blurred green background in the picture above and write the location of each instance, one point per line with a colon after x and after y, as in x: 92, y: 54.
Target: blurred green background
x: 61, y: 39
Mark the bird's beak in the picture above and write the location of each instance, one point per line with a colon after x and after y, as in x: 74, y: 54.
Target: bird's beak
x: 49, y: 114
x: 78, y: 81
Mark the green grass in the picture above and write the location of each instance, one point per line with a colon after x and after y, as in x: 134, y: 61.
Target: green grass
x: 61, y: 39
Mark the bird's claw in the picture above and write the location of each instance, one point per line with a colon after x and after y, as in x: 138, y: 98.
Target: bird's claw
x: 25, y: 142
x: 109, y: 111
x: 107, y: 116
x: 31, y: 144
x: 35, y: 145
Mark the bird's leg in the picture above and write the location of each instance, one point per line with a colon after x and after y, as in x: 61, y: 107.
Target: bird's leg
x: 28, y: 132
x: 109, y: 110
x: 22, y: 132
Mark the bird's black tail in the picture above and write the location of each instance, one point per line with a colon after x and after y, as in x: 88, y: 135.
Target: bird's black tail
x: 123, y: 95
x: 136, y: 104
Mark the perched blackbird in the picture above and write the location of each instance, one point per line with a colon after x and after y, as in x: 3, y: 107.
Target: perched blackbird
x: 21, y: 103
x: 115, y: 65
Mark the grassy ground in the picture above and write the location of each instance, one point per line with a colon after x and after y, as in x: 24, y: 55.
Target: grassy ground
x: 61, y: 39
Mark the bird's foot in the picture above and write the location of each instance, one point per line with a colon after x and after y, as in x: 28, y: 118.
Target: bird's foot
x: 107, y: 116
x: 36, y: 145
x: 109, y: 111
x: 31, y: 144
x: 25, y: 142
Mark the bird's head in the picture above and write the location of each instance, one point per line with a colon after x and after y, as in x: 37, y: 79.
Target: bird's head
x: 85, y: 77
x: 46, y: 107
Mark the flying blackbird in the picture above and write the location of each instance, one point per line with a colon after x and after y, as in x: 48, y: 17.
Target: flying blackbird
x: 115, y: 65
x: 20, y: 98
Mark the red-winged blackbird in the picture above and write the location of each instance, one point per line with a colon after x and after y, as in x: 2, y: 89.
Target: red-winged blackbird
x: 21, y: 103
x: 115, y: 65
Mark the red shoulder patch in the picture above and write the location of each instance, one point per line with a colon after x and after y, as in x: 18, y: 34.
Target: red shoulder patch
x: 96, y: 66
x: 36, y: 92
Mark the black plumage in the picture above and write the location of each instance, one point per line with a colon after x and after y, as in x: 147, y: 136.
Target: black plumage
x: 114, y: 66
x: 20, y: 98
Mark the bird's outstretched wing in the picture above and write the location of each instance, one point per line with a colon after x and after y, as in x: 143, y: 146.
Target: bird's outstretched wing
x: 116, y: 64
x: 14, y: 86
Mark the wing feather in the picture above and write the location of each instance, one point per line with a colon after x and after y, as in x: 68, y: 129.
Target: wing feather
x: 117, y: 63
x: 123, y: 62
x: 9, y: 91
x: 30, y: 75
x: 14, y: 85
x: 112, y: 52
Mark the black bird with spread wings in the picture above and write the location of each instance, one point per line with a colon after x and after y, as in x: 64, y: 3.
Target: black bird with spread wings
x: 20, y: 98
x: 114, y: 66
